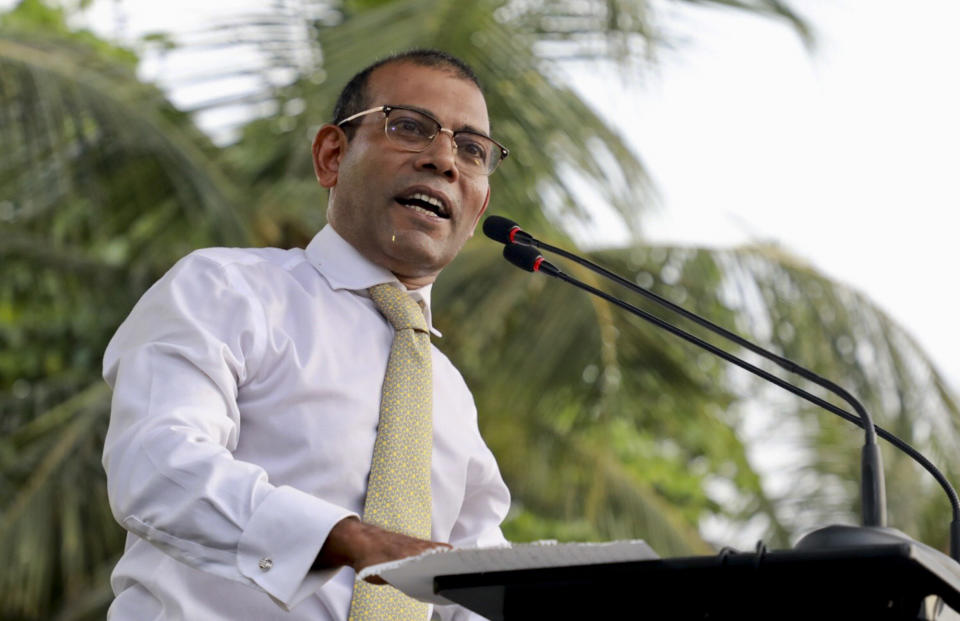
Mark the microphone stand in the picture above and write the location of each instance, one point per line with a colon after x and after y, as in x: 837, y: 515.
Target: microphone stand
x: 873, y: 507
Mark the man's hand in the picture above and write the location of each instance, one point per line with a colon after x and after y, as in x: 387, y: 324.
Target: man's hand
x: 359, y: 545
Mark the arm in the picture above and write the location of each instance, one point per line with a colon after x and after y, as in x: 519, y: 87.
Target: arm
x: 176, y: 366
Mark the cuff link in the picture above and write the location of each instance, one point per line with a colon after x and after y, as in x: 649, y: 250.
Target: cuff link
x: 265, y: 563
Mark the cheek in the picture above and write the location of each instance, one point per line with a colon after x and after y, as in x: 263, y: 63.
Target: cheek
x: 475, y: 200
x: 362, y: 161
x: 353, y: 171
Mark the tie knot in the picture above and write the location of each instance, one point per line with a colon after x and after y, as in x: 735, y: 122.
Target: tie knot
x: 398, y: 307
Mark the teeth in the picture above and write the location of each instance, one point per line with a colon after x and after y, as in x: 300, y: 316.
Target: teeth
x: 429, y: 199
x: 421, y: 210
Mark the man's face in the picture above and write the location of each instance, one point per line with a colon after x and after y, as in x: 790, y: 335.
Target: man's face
x: 370, y: 202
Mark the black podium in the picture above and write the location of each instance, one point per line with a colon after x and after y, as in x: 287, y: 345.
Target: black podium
x: 889, y: 581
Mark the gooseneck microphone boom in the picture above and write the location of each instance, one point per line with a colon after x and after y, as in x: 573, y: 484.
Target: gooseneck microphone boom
x: 873, y: 496
x: 506, y: 231
x: 872, y: 499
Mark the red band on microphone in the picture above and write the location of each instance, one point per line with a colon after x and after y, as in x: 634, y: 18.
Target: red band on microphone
x: 536, y: 264
x: 513, y: 232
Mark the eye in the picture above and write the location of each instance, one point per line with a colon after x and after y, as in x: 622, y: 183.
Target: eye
x: 409, y: 126
x: 472, y: 147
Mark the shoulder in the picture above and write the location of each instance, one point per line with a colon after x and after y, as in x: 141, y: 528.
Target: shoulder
x: 241, y: 258
x: 218, y: 286
x: 211, y: 300
x: 236, y: 268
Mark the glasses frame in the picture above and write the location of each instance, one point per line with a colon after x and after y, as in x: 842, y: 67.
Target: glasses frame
x: 504, y: 152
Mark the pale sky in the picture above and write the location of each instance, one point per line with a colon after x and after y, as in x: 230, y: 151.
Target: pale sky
x: 847, y: 156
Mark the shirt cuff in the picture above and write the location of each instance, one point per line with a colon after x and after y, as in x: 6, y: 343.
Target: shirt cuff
x: 282, y: 540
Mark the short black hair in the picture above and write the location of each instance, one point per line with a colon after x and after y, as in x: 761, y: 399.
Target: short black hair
x: 353, y: 97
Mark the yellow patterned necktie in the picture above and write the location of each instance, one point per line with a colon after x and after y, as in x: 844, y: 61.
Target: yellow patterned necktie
x: 398, y: 490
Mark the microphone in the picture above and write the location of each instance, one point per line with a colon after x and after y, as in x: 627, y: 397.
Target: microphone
x: 873, y: 495
x: 527, y: 258
x: 506, y: 231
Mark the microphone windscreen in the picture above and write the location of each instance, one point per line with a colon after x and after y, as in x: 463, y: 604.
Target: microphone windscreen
x: 498, y: 228
x: 524, y: 257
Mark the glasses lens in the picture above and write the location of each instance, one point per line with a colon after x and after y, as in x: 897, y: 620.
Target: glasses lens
x: 476, y: 153
x: 411, y: 129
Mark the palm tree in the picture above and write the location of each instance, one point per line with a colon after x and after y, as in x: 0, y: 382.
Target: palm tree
x: 614, y: 430
x: 104, y: 183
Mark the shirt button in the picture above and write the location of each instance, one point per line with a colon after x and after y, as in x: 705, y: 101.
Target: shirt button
x: 265, y: 563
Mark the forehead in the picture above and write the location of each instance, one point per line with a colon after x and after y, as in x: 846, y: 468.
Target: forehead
x: 455, y: 101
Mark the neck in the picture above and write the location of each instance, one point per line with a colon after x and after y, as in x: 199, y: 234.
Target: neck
x: 413, y: 282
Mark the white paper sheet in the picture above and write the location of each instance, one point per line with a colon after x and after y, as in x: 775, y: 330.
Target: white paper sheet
x: 414, y: 576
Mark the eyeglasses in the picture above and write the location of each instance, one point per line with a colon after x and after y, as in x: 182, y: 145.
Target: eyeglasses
x: 415, y: 131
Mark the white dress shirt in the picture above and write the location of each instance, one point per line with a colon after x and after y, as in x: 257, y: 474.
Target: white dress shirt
x: 246, y: 392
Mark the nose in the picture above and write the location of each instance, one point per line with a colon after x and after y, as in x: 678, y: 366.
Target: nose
x: 441, y: 156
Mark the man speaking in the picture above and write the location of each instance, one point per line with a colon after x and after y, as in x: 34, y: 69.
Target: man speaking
x: 280, y: 418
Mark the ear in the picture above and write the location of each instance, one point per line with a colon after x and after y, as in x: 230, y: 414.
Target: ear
x: 486, y: 202
x: 329, y: 147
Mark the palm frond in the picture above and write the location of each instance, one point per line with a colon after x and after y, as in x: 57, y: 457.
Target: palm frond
x: 842, y: 335
x: 103, y: 186
x: 55, y: 513
x: 71, y: 116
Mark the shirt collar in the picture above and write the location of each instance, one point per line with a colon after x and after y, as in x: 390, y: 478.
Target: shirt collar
x: 344, y: 267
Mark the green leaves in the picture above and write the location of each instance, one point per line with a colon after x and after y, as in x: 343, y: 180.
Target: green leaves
x: 102, y: 186
x: 55, y: 506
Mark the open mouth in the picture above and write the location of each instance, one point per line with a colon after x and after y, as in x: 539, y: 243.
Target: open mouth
x: 424, y: 203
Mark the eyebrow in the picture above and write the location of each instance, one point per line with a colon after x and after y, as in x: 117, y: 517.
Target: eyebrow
x: 462, y: 128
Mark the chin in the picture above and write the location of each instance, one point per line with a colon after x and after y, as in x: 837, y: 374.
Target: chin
x: 418, y: 261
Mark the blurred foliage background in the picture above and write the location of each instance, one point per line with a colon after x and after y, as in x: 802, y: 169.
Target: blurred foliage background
x: 603, y: 426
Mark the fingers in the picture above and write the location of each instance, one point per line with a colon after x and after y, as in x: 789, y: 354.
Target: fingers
x: 397, y: 546
x: 380, y: 546
x: 359, y: 545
